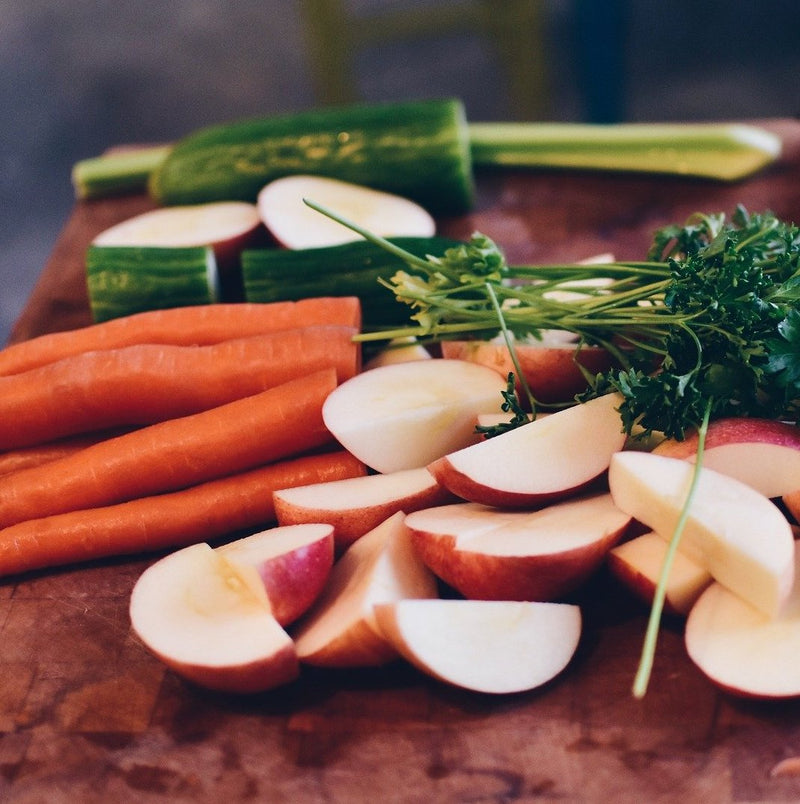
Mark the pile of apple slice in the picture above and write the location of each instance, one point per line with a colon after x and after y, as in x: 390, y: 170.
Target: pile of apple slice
x: 459, y: 555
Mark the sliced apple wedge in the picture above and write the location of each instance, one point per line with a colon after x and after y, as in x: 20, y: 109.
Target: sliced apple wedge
x: 742, y: 650
x: 545, y: 460
x: 354, y: 508
x: 381, y: 567
x: 198, y: 615
x: 405, y: 415
x: 552, y: 370
x: 295, y: 225
x: 637, y: 563
x: 740, y: 536
x: 496, y: 647
x: 292, y: 563
x: 486, y: 554
x: 764, y: 453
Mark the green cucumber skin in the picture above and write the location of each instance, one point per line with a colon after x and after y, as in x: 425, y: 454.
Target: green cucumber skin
x: 418, y: 149
x: 349, y: 269
x: 122, y: 280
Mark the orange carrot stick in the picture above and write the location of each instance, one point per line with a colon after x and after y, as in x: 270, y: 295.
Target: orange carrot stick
x: 13, y: 460
x: 282, y: 421
x: 147, y: 383
x: 200, y: 325
x: 200, y: 513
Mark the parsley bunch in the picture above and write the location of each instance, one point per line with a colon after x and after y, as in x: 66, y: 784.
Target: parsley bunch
x: 711, y: 317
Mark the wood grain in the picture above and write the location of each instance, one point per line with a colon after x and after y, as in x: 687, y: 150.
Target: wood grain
x: 86, y: 714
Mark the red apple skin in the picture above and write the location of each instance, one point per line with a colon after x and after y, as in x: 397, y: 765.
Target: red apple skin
x: 294, y: 580
x: 639, y: 584
x: 480, y: 576
x: 733, y: 431
x: 352, y: 523
x: 550, y: 371
x: 281, y: 668
x: 466, y: 488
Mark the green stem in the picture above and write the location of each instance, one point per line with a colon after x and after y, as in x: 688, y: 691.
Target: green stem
x: 644, y: 672
x: 715, y: 150
x: 122, y: 171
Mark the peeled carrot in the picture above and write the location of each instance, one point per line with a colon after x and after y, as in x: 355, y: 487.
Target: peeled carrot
x: 200, y: 325
x: 147, y: 383
x: 274, y: 424
x: 13, y: 460
x: 204, y: 512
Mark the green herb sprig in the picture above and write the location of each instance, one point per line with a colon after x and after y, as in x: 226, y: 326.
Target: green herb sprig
x: 709, y: 319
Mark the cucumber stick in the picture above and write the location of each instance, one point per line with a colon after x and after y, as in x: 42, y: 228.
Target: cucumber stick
x: 129, y: 279
x: 417, y: 149
x: 348, y: 269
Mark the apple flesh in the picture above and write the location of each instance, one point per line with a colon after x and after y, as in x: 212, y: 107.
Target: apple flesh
x: 405, y: 415
x: 196, y: 613
x: 740, y: 536
x: 742, y: 650
x: 551, y: 370
x: 764, y: 453
x: 292, y: 563
x: 545, y: 460
x: 638, y: 562
x: 227, y: 226
x: 496, y: 647
x: 486, y: 554
x: 381, y: 567
x: 356, y: 505
x: 401, y: 350
x: 295, y: 225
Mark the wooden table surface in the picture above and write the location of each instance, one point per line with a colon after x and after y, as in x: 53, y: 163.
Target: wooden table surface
x: 87, y: 715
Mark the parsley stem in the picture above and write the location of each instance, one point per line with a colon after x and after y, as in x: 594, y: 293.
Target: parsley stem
x: 646, y: 661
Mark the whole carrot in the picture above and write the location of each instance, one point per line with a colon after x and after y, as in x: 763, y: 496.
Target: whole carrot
x: 200, y: 325
x: 204, y: 512
x: 147, y: 383
x: 277, y: 423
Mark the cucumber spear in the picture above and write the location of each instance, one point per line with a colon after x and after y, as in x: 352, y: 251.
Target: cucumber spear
x: 425, y: 150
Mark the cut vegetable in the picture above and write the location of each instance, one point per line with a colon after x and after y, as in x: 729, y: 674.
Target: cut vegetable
x: 292, y: 564
x: 742, y: 650
x: 554, y: 372
x: 638, y: 563
x: 417, y: 149
x: 357, y: 505
x: 403, y: 416
x: 122, y: 280
x: 496, y: 647
x: 349, y: 269
x: 519, y: 555
x: 281, y: 205
x: 737, y: 534
x: 545, y: 460
x: 381, y: 567
x: 195, y: 612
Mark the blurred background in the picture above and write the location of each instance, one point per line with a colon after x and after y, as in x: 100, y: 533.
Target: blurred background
x: 78, y: 77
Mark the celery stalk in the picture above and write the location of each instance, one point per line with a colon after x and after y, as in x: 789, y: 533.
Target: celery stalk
x: 719, y: 151
x: 115, y: 172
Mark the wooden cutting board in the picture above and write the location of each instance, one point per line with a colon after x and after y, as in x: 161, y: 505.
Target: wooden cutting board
x: 86, y: 714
